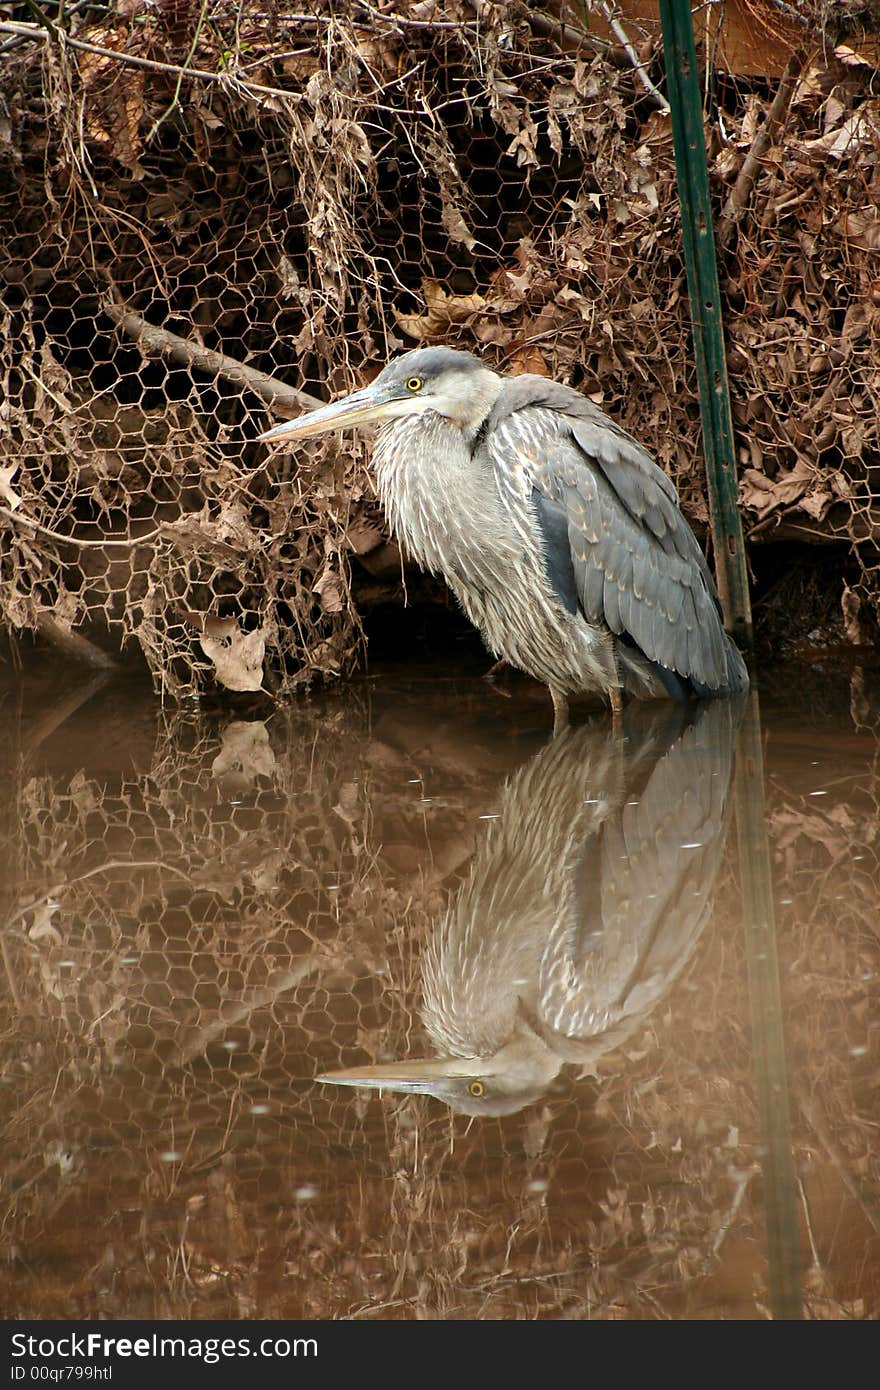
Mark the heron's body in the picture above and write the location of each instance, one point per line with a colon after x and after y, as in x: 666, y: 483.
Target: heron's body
x: 490, y: 553
x: 560, y: 536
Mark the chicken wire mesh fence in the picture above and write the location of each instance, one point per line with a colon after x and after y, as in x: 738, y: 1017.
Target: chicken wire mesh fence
x: 196, y: 198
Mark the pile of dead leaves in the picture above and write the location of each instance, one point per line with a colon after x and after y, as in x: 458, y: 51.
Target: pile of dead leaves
x: 265, y: 204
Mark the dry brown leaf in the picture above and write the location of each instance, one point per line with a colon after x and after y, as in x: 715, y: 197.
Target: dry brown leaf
x: 233, y: 526
x: 324, y: 657
x: 491, y: 331
x: 857, y: 131
x: 7, y: 492
x: 363, y: 537
x: 862, y: 229
x: 816, y: 504
x: 523, y: 143
x: 763, y: 494
x: 455, y: 226
x: 571, y: 297
x: 328, y: 589
x: 527, y: 359
x: 443, y: 310
x: 867, y: 55
x: 348, y: 807
x: 237, y: 657
x: 114, y: 105
x: 245, y: 753
x: 834, y: 830
x: 851, y: 605
x: 42, y: 927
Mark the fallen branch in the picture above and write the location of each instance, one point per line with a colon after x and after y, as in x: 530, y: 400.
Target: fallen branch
x: 844, y: 523
x: 73, y: 644
x: 738, y: 198
x: 58, y: 714
x: 625, y: 57
x: 186, y: 353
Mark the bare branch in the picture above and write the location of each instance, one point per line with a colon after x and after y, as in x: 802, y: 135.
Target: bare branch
x: 739, y: 195
x: 73, y: 645
x: 159, y: 341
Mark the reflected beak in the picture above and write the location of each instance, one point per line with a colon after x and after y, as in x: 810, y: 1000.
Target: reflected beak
x: 417, y: 1077
x: 369, y: 406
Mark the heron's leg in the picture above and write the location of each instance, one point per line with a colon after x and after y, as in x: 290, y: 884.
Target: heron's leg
x: 493, y: 671
x: 560, y: 710
x: 615, y: 690
x: 616, y: 710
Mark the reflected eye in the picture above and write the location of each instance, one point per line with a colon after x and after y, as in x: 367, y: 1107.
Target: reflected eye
x: 414, y: 383
x: 476, y: 1089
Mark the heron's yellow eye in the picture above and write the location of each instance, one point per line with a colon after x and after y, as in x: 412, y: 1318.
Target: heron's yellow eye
x: 414, y: 383
x: 476, y: 1089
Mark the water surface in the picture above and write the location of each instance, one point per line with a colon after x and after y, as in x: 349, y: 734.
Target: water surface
x: 640, y: 973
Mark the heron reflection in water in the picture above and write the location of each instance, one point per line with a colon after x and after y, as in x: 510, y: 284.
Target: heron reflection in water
x: 583, y: 905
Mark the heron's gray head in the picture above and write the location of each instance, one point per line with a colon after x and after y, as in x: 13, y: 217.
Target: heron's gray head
x: 450, y: 383
x: 518, y: 1073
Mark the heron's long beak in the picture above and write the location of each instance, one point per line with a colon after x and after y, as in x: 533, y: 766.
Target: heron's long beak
x: 364, y: 407
x: 417, y: 1077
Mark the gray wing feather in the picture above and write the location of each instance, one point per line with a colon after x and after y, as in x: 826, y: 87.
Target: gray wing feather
x: 643, y: 898
x: 557, y: 548
x: 635, y: 563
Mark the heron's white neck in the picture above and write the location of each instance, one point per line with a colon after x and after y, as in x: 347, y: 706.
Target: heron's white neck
x: 469, y: 407
x: 439, y: 498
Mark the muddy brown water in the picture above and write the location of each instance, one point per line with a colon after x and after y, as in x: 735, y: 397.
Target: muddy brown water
x: 651, y: 965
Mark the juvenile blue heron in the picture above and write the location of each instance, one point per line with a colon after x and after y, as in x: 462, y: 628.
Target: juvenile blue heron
x: 557, y: 532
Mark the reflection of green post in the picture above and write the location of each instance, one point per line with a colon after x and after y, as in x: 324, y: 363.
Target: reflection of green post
x: 705, y: 298
x: 768, y: 1040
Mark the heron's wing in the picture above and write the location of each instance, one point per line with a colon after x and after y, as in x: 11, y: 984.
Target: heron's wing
x: 612, y: 531
x: 645, y: 889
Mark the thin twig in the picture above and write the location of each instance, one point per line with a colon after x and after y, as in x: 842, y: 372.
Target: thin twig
x: 610, y: 13
x: 21, y: 520
x: 33, y: 31
x: 176, y: 97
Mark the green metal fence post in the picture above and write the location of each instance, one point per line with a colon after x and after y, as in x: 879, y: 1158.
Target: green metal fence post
x: 705, y: 297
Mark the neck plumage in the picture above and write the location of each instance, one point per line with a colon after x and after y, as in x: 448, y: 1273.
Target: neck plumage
x: 472, y: 412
